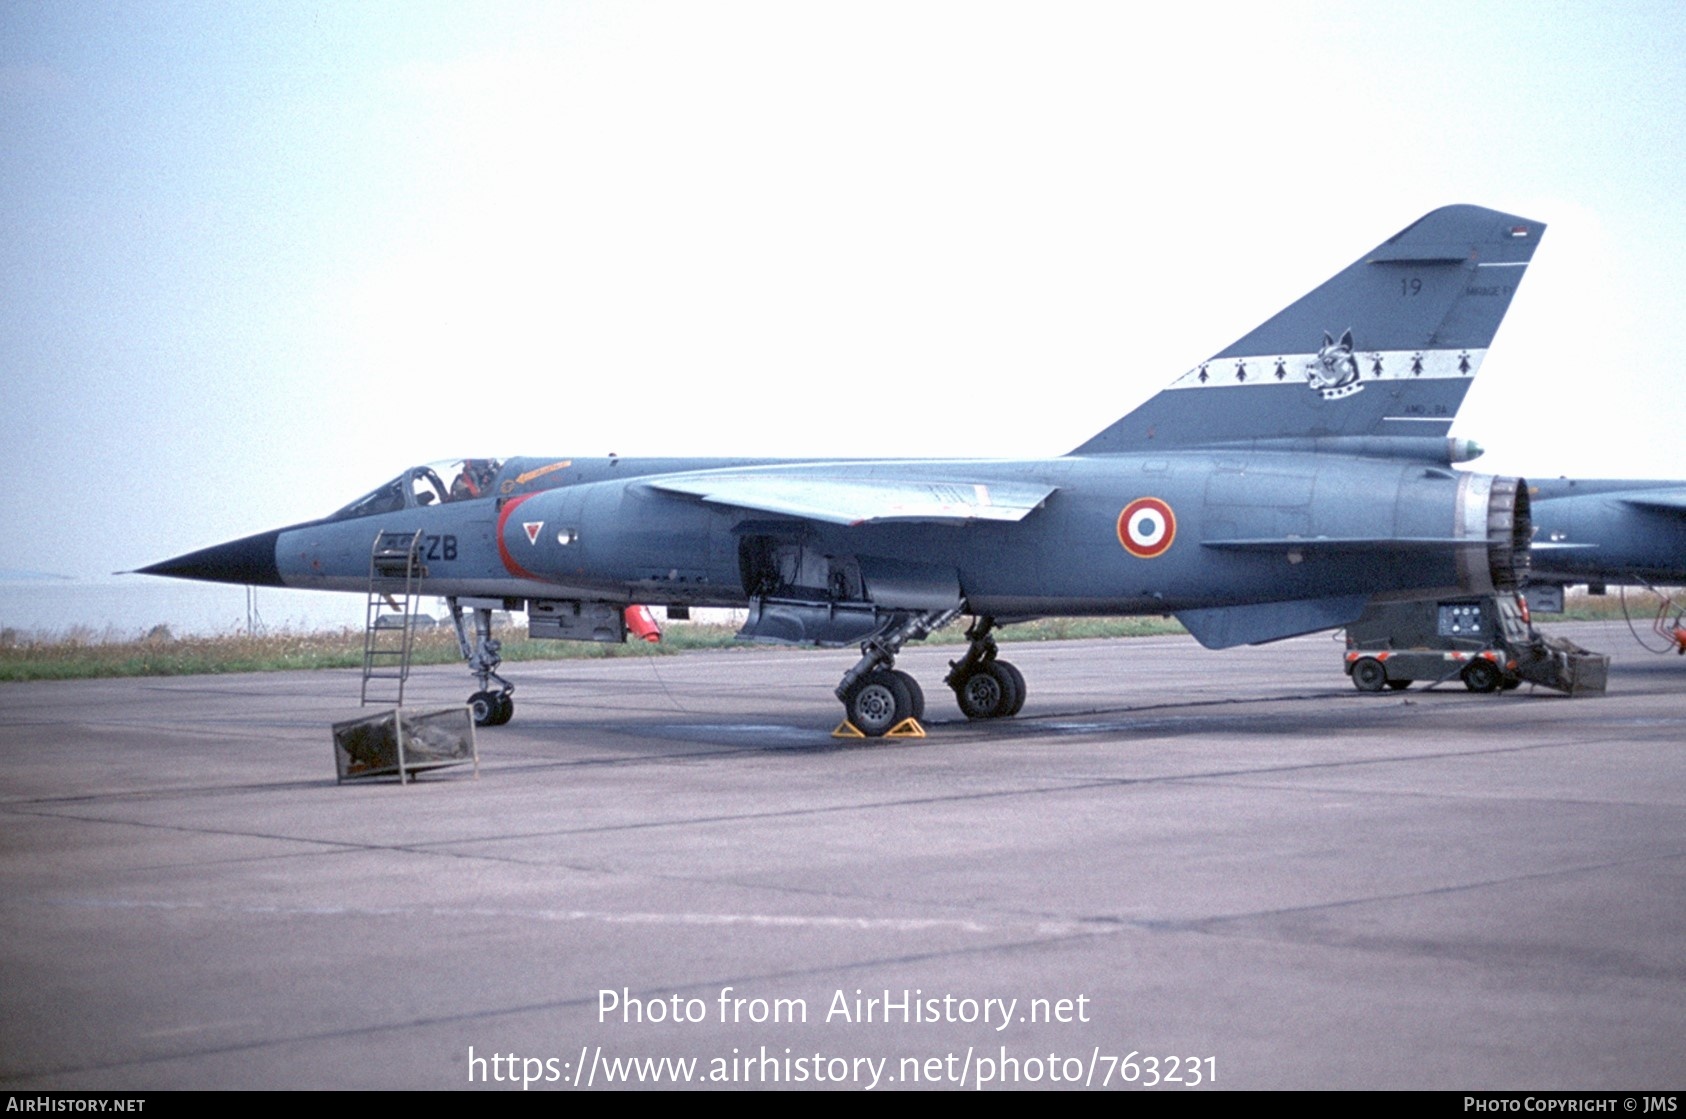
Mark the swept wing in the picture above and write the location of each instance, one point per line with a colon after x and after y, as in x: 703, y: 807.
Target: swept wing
x: 842, y: 500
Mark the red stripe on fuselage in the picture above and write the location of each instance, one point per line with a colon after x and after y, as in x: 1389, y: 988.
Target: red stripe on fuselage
x: 503, y: 551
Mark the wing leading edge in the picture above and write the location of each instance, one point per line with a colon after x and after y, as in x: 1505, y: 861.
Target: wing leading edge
x: 855, y: 501
x: 1668, y: 501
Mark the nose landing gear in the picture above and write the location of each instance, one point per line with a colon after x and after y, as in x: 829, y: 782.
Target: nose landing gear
x: 490, y: 707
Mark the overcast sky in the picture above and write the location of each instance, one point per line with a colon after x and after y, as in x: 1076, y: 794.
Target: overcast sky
x: 256, y: 258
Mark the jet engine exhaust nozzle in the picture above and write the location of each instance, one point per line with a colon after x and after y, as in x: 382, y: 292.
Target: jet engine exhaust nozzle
x: 1509, y: 529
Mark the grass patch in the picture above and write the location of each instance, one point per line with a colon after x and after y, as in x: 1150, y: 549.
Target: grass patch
x: 82, y: 654
x: 1641, y: 605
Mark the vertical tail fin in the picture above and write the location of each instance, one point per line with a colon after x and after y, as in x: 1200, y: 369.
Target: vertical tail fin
x: 1387, y: 348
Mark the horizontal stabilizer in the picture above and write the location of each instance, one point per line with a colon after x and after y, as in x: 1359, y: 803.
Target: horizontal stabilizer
x: 1225, y: 626
x: 853, y: 501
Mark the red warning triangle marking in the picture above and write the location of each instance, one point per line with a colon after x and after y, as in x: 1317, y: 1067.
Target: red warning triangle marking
x: 532, y: 528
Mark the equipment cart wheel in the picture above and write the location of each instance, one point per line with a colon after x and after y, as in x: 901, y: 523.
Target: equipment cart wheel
x: 1482, y: 676
x: 1369, y: 674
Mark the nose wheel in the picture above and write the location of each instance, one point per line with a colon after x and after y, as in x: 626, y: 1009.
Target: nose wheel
x: 491, y: 707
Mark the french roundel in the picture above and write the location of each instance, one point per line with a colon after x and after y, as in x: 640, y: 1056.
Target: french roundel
x: 1146, y: 527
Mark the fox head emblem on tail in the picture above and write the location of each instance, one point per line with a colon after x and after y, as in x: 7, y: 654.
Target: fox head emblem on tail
x: 1334, y: 371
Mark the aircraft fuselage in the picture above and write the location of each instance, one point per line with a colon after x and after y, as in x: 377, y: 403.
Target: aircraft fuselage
x: 599, y: 530
x: 1609, y: 531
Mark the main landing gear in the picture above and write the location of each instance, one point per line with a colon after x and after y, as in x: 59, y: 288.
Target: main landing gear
x: 879, y: 699
x: 985, y: 687
x: 490, y: 707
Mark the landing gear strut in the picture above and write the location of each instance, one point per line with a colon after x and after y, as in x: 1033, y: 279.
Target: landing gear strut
x: 877, y: 697
x: 985, y: 688
x: 491, y: 708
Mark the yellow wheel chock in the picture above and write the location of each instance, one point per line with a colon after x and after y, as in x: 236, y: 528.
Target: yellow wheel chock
x: 907, y: 728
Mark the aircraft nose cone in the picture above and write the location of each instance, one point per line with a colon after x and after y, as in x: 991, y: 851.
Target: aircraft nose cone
x: 249, y: 561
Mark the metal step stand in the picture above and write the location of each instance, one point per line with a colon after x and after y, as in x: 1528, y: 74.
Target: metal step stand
x: 394, y: 569
x: 397, y: 742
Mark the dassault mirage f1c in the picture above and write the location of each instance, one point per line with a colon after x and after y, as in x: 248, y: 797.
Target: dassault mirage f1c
x: 1605, y: 531
x: 1608, y: 532
x: 1275, y: 489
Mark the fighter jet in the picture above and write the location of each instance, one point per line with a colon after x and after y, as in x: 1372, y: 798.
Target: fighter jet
x: 1604, y: 532
x: 1274, y: 489
x: 1613, y: 533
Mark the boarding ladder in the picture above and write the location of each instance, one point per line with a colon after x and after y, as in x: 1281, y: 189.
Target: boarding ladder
x: 395, y: 568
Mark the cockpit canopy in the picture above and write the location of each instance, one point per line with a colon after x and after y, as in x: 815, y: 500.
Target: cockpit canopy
x: 470, y: 478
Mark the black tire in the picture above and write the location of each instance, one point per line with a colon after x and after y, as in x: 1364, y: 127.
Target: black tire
x: 1369, y: 674
x: 1018, y: 687
x: 1510, y: 683
x: 484, y: 707
x: 1482, y: 675
x: 915, y: 694
x: 1399, y: 685
x: 878, y: 702
x: 992, y: 692
x: 979, y: 695
x: 506, y: 709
